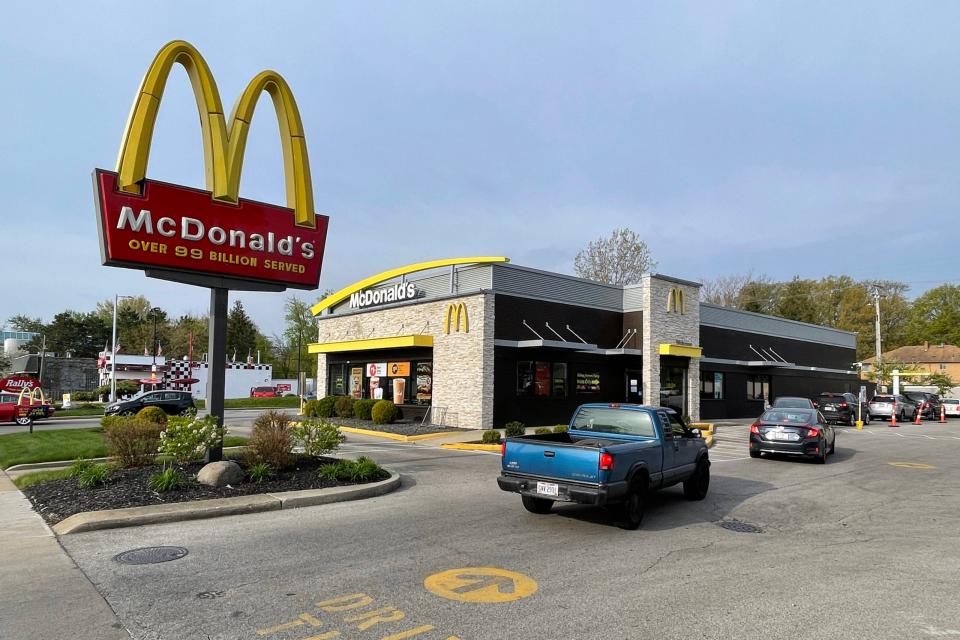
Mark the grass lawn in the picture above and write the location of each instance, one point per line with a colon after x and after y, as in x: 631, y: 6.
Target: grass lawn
x: 30, y: 479
x: 82, y: 410
x: 63, y: 444
x: 288, y: 402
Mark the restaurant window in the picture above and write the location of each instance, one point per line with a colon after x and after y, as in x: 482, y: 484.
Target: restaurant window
x: 711, y: 385
x: 588, y: 381
x: 525, y: 378
x: 424, y: 380
x: 758, y: 388
x: 559, y: 379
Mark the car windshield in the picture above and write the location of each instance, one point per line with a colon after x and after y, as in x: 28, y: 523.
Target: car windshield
x: 882, y: 399
x: 792, y: 403
x: 788, y: 417
x: 612, y: 420
x: 262, y: 389
x: 950, y: 401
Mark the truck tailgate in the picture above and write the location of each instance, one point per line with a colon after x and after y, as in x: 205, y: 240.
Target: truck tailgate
x: 557, y: 461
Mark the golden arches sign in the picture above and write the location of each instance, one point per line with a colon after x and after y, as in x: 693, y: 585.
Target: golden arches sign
x: 223, y: 143
x: 455, y: 313
x: 675, y: 301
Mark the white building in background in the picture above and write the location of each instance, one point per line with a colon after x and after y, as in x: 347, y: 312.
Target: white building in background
x: 179, y: 374
x: 13, y: 341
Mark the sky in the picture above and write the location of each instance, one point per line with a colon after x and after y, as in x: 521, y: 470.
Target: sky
x: 783, y: 138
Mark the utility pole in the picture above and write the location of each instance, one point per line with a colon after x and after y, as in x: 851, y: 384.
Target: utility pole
x: 113, y: 349
x: 300, y: 384
x: 876, y: 302
x: 43, y: 354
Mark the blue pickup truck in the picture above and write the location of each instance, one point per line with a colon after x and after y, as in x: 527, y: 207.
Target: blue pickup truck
x: 612, y: 455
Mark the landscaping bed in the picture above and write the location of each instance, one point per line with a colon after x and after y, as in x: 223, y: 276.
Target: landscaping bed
x: 58, y: 499
x: 400, y: 427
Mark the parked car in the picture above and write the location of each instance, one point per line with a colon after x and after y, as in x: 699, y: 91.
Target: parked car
x: 884, y: 406
x: 263, y: 392
x: 611, y: 455
x: 951, y: 407
x: 842, y: 407
x: 172, y: 402
x: 10, y: 410
x: 927, y: 403
x: 789, y: 402
x: 793, y: 432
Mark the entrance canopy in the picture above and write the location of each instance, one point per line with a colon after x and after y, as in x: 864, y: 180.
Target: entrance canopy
x: 370, y: 344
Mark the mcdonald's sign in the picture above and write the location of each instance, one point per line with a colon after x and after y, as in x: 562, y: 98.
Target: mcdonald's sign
x: 675, y: 301
x: 455, y: 314
x: 170, y: 229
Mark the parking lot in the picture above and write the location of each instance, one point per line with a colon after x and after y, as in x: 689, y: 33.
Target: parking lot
x: 864, y: 547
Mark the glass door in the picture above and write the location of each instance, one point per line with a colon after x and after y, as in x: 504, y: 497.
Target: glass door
x: 673, y: 388
x: 633, y: 382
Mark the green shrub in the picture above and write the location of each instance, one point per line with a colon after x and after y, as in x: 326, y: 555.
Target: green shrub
x: 132, y: 441
x: 272, y: 440
x: 167, y: 480
x: 514, y: 429
x: 94, y: 475
x: 384, y: 412
x: 260, y: 471
x: 84, y: 396
x: 343, y: 407
x: 310, y: 408
x: 360, y: 470
x: 317, y: 437
x: 326, y: 406
x: 542, y: 430
x: 124, y: 388
x: 561, y: 428
x: 363, y: 409
x: 153, y: 414
x: 491, y: 436
x: 79, y: 466
x: 106, y: 421
x: 187, y: 439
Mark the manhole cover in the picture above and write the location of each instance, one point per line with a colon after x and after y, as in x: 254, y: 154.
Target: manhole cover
x: 150, y: 555
x: 740, y: 527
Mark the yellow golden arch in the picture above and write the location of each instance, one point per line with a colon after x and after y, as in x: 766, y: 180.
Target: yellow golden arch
x: 675, y: 301
x: 223, y: 143
x: 455, y: 313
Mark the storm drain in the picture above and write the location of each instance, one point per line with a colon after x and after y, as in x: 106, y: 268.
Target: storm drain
x: 739, y: 527
x: 150, y: 555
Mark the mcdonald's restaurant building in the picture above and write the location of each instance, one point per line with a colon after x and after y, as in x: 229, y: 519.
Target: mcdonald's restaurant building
x: 481, y: 342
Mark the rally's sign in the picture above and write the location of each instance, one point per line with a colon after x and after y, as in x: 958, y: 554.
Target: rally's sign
x: 16, y: 383
x: 397, y: 293
x: 145, y: 224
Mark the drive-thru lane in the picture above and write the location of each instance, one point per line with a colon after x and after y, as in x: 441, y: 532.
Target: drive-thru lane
x: 859, y: 548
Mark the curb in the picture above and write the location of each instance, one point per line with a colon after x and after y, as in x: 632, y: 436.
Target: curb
x: 395, y: 436
x: 200, y: 509
x: 466, y: 446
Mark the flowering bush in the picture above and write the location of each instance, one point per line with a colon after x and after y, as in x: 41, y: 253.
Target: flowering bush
x: 187, y: 439
x: 317, y: 437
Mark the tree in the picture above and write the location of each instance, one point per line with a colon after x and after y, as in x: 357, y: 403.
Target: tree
x: 727, y: 291
x: 301, y: 329
x: 242, y: 333
x: 21, y: 322
x: 5, y: 363
x: 935, y: 316
x: 942, y: 382
x: 620, y: 259
x: 179, y: 336
x: 882, y: 374
x: 82, y: 334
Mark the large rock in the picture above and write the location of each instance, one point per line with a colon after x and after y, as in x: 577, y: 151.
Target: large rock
x: 220, y: 474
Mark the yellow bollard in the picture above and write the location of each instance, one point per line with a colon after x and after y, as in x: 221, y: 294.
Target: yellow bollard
x: 860, y: 424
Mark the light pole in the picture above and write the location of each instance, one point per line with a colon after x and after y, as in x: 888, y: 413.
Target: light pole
x: 876, y: 302
x: 154, y: 311
x: 113, y: 354
x: 299, y: 350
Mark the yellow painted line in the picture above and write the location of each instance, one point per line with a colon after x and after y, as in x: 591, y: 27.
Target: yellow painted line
x: 324, y: 636
x: 912, y: 465
x: 403, y: 635
x: 481, y: 584
x: 467, y: 446
x: 394, y: 436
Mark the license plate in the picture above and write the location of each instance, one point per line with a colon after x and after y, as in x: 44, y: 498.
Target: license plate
x: 829, y: 408
x: 548, y: 488
x: 779, y: 435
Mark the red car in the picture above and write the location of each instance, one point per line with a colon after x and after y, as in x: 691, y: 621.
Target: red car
x: 10, y: 411
x: 264, y: 392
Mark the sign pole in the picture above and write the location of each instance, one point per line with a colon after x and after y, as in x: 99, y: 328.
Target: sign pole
x: 216, y: 372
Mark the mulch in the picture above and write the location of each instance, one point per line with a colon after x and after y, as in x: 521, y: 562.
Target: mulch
x: 400, y: 427
x: 58, y: 499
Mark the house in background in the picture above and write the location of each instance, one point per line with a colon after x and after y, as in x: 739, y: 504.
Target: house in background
x: 936, y: 358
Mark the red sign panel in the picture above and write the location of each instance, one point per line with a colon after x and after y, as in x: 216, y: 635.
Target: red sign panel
x: 16, y: 384
x: 283, y: 386
x: 174, y: 228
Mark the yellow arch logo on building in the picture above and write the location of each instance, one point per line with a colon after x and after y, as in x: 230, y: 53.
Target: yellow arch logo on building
x: 456, y: 312
x: 223, y: 143
x: 675, y: 301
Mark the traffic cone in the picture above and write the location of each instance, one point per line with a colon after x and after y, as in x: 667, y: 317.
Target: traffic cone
x: 893, y: 418
x: 919, y: 416
x: 943, y: 414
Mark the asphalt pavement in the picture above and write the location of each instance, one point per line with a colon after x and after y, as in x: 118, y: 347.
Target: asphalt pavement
x: 863, y: 547
x: 240, y: 422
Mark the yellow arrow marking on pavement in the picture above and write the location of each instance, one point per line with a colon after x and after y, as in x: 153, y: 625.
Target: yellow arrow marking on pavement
x: 912, y: 465
x: 481, y: 584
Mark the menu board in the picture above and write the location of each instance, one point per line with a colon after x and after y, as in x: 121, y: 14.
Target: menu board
x: 356, y: 382
x: 424, y: 382
x: 588, y: 382
x: 541, y: 379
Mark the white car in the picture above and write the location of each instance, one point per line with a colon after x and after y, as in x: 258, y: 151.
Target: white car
x: 951, y: 407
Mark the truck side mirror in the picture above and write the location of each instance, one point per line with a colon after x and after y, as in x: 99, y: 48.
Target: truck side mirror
x: 695, y: 432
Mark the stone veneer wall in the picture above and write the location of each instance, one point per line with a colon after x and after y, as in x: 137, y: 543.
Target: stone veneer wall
x: 661, y: 326
x: 462, y: 362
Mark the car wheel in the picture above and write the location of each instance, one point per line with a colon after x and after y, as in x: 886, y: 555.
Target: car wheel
x: 537, y: 505
x: 755, y: 454
x: 822, y: 458
x: 126, y: 414
x: 696, y: 487
x: 868, y: 418
x: 189, y: 412
x: 833, y: 446
x: 631, y: 511
x: 23, y: 422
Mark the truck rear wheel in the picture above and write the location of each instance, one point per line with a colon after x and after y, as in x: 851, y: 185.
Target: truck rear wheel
x: 631, y: 510
x: 537, y: 505
x: 697, y: 485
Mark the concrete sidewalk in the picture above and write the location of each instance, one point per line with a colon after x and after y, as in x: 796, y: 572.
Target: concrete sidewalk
x: 43, y: 594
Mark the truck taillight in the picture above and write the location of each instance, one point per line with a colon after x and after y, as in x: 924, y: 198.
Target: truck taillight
x: 606, y: 462
x: 503, y: 449
x: 755, y: 428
